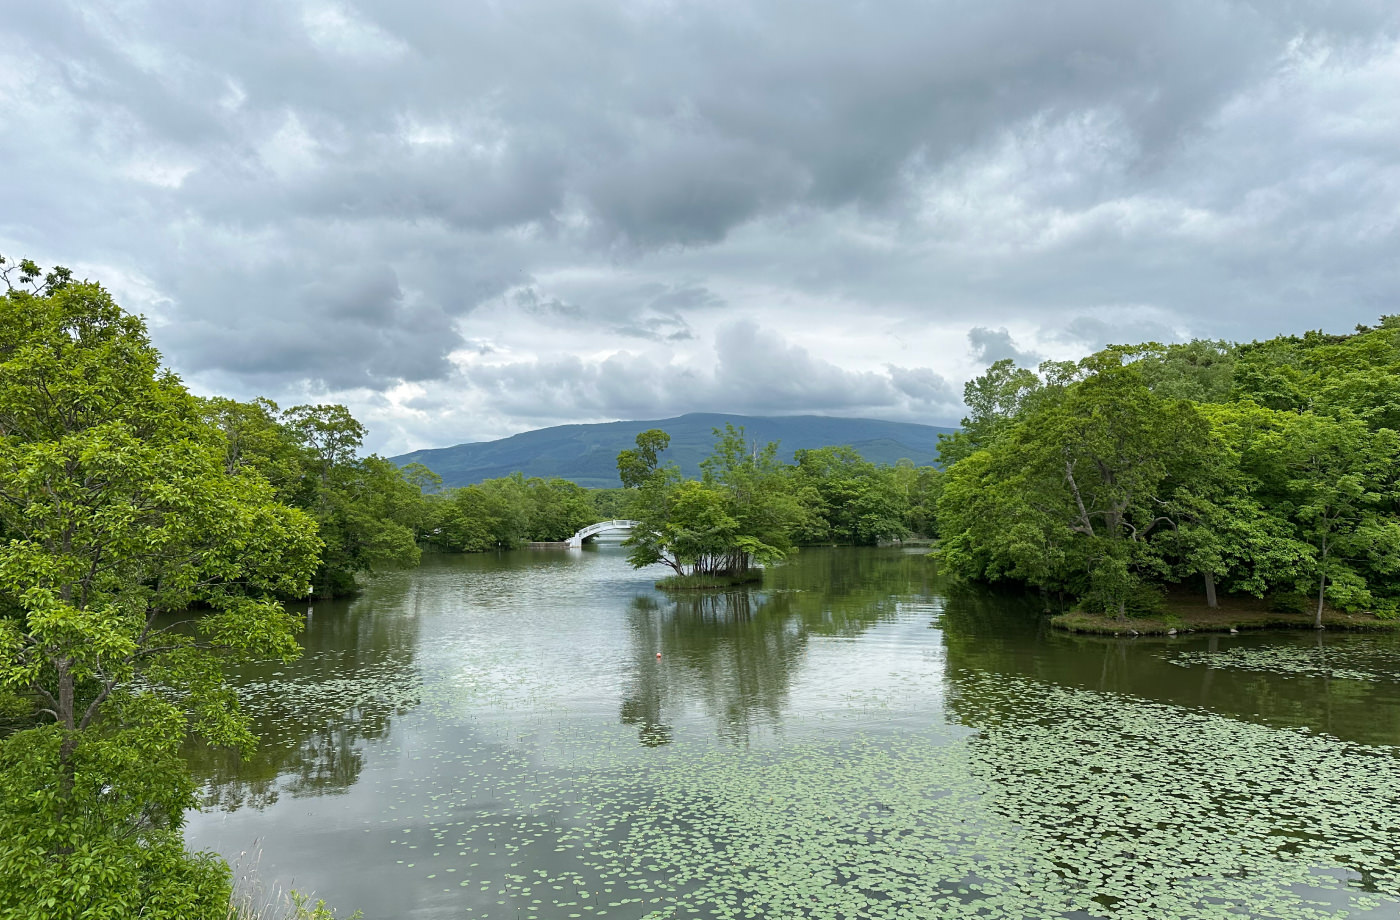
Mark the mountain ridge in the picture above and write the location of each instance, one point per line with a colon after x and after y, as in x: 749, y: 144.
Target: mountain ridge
x: 587, y: 453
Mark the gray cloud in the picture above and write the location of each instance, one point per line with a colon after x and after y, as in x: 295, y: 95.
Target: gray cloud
x: 991, y: 345
x: 1120, y: 326
x: 753, y: 370
x: 338, y: 197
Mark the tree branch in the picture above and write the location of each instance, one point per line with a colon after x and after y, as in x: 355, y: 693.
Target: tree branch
x: 1085, y: 525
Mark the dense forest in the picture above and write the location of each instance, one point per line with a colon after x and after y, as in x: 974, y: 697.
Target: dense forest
x: 1265, y: 469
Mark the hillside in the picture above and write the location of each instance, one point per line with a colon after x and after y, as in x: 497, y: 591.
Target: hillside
x: 587, y: 454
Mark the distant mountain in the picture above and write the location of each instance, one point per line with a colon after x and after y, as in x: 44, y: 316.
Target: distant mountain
x: 587, y: 454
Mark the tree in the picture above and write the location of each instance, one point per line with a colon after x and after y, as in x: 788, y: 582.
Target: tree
x: 758, y: 494
x: 255, y: 439
x: 636, y: 467
x: 651, y: 486
x: 1267, y: 467
x: 1333, y: 479
x: 741, y: 513
x: 921, y: 508
x: 1068, y: 497
x: 558, y: 509
x: 1200, y: 370
x: 995, y: 400
x: 850, y: 499
x: 368, y: 512
x: 1221, y: 531
x: 119, y: 508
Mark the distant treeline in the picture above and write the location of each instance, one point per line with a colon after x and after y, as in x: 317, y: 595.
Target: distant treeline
x: 373, y: 515
x: 511, y: 511
x: 840, y: 498
x: 1265, y: 469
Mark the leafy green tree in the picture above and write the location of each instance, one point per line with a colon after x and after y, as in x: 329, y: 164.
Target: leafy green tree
x: 1069, y: 496
x: 1221, y: 531
x: 1333, y: 375
x: 506, y: 512
x: 118, y: 507
x: 741, y: 513
x: 257, y: 440
x: 759, y: 494
x: 651, y: 487
x: 921, y: 504
x: 368, y: 512
x: 1266, y: 467
x: 850, y: 499
x: 1201, y: 370
x: 464, y: 521
x: 638, y: 466
x: 702, y: 533
x: 1334, y: 480
x: 608, y: 504
x: 558, y: 509
x: 995, y: 401
x: 508, y: 501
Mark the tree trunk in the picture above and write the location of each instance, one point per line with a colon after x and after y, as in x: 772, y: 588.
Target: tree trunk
x: 67, y: 767
x: 1322, y: 584
x: 1210, y: 590
x: 1122, y: 609
x: 67, y: 715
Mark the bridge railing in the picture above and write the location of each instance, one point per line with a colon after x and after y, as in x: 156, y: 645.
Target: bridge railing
x: 594, y: 529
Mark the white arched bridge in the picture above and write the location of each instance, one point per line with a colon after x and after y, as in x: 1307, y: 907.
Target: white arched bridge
x: 592, y: 530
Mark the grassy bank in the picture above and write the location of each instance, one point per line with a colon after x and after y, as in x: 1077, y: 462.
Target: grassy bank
x: 709, y: 582
x: 1182, y: 614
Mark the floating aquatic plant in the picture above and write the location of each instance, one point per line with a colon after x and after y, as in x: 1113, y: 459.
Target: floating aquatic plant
x: 1362, y: 662
x: 1085, y: 805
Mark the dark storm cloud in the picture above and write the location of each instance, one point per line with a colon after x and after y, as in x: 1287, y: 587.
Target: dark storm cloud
x: 326, y: 194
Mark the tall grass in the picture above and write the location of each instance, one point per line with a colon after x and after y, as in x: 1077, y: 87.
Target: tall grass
x: 252, y: 900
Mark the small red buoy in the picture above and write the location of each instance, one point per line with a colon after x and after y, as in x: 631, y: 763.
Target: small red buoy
x: 658, y: 654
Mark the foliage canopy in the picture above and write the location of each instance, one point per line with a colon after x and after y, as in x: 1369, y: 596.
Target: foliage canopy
x: 118, y: 511
x: 1269, y: 468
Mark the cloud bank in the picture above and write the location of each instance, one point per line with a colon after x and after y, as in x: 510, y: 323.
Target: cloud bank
x: 468, y: 219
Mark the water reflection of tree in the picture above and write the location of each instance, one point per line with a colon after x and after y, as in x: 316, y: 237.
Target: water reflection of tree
x: 738, y: 651
x: 1004, y: 633
x: 646, y: 692
x: 317, y: 715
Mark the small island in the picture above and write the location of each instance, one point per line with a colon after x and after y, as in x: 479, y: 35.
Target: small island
x: 714, y: 532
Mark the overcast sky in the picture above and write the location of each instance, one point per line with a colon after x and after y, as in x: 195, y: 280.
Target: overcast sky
x: 467, y: 219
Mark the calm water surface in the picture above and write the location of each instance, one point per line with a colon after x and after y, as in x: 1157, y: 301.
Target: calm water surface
x: 496, y: 736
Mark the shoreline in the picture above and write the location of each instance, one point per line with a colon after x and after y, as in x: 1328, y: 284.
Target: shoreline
x: 1226, y: 618
x: 710, y: 582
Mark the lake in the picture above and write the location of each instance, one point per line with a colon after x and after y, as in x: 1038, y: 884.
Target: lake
x: 543, y: 734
